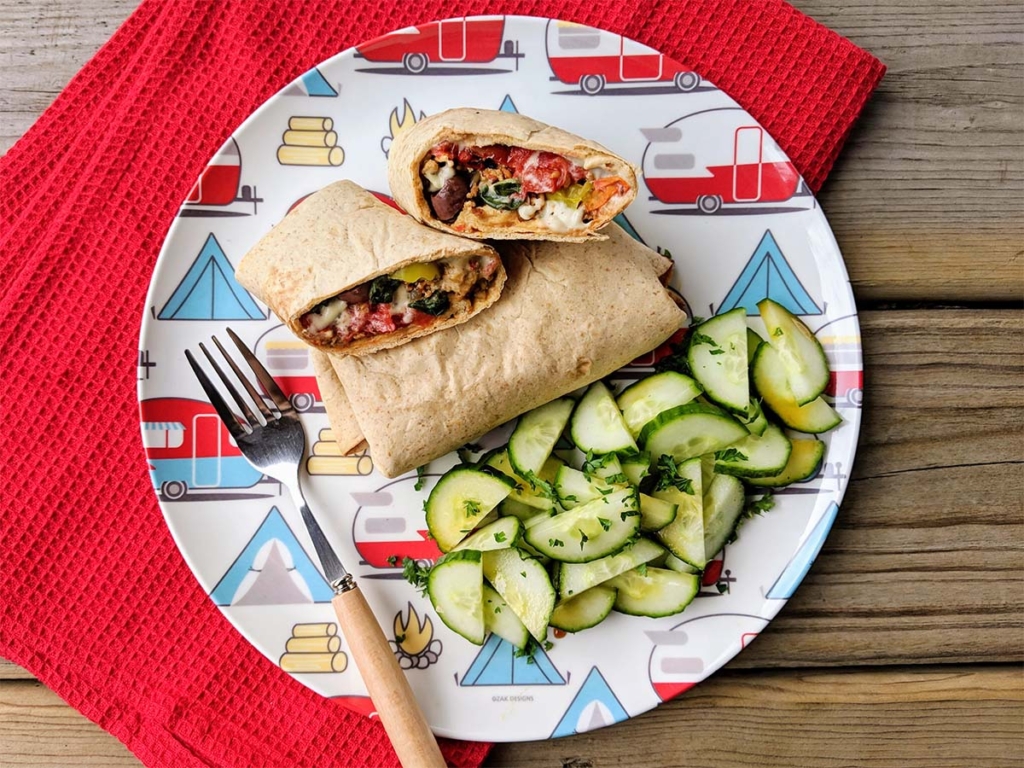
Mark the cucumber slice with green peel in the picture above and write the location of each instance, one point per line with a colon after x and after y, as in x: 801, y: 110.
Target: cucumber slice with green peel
x: 673, y: 563
x: 691, y: 430
x: 501, y: 534
x: 717, y: 354
x: 769, y: 375
x: 597, y: 423
x: 803, y: 464
x: 512, y: 508
x: 586, y: 610
x: 521, y: 492
x: 755, y: 420
x: 575, y: 488
x: 636, y: 467
x: 654, y: 592
x: 502, y: 620
x: 535, y: 435
x: 754, y: 340
x: 684, y: 537
x: 606, y: 467
x: 460, y: 501
x: 656, y: 513
x: 525, y: 586
x: 800, y: 351
x: 598, y: 528
x: 455, y: 587
x: 723, y: 508
x: 755, y: 456
x: 576, y: 578
x: 642, y: 401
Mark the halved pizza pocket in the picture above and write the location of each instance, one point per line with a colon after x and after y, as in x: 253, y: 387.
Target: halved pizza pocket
x: 502, y: 176
x: 351, y: 275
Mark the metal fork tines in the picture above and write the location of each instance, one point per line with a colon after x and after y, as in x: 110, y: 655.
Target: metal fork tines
x: 271, y: 439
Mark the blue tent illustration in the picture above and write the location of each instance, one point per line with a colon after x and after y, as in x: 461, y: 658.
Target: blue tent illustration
x: 595, y: 706
x: 623, y: 222
x: 497, y: 664
x: 508, y: 105
x: 797, y: 568
x: 768, y: 275
x: 272, y: 569
x: 312, y: 83
x: 209, y: 290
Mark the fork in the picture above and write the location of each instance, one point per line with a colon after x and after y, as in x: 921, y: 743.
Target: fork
x: 274, y: 444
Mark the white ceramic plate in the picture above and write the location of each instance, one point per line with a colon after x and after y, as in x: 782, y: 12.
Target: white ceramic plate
x: 717, y: 193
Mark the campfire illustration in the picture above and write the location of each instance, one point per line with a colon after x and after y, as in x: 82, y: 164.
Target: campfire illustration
x: 414, y: 642
x: 398, y: 124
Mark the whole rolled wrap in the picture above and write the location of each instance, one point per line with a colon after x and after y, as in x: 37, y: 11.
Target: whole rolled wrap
x: 570, y: 314
x: 481, y: 128
x: 343, y: 237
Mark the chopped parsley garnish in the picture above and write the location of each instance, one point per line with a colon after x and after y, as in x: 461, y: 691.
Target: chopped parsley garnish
x: 668, y: 476
x: 583, y: 538
x: 619, y: 478
x: 415, y: 574
x: 393, y: 560
x: 523, y: 574
x: 606, y: 524
x: 399, y: 639
x: 542, y: 487
x: 472, y: 507
x: 730, y: 454
x: 753, y: 508
x: 556, y: 543
x: 777, y: 332
x: 500, y: 537
x: 642, y: 569
x: 419, y: 477
x: 702, y: 338
x: 717, y: 351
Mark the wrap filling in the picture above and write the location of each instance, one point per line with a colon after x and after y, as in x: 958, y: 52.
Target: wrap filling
x: 469, y: 187
x: 419, y: 294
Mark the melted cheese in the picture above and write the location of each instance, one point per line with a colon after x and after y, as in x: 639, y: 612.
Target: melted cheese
x: 559, y: 217
x: 325, y: 317
x: 437, y: 180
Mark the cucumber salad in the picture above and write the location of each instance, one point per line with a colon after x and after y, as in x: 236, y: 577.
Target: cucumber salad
x: 617, y: 503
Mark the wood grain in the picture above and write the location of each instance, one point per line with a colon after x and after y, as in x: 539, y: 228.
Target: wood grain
x: 923, y: 717
x: 925, y: 199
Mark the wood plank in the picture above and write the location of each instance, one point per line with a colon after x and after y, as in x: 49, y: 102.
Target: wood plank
x: 932, y: 718
x: 926, y: 718
x: 924, y: 200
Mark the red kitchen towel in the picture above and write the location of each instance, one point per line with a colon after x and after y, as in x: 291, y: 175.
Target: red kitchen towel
x: 95, y: 599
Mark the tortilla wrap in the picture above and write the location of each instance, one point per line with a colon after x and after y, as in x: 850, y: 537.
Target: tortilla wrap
x: 346, y: 430
x: 570, y: 314
x: 481, y: 127
x: 342, y: 237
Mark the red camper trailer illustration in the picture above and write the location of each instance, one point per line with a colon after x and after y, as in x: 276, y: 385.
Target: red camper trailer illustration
x: 592, y: 58
x: 385, y: 532
x: 459, y: 41
x: 717, y: 157
x: 840, y: 338
x: 288, y: 361
x: 219, y: 187
x: 189, y: 448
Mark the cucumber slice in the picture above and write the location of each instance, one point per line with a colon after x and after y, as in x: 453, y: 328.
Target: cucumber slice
x: 654, y: 592
x: 800, y: 351
x: 769, y: 374
x: 723, y: 507
x: 522, y: 492
x: 717, y: 354
x: 607, y: 468
x: 576, y: 578
x: 502, y: 620
x: 673, y: 563
x: 803, y: 464
x: 525, y: 585
x: 512, y: 508
x: 460, y: 500
x: 684, y: 537
x: 636, y: 467
x: 656, y: 394
x: 575, y: 488
x: 755, y: 456
x: 501, y: 534
x: 691, y: 430
x: 656, y: 513
x: 592, y: 530
x: 535, y: 436
x: 755, y: 420
x: 754, y: 340
x: 586, y: 610
x: 524, y: 546
x: 455, y: 588
x: 597, y: 423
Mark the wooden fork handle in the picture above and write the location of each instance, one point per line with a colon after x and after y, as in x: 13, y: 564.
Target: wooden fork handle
x: 388, y: 687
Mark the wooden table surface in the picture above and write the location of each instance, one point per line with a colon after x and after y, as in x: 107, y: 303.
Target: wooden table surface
x: 903, y: 647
